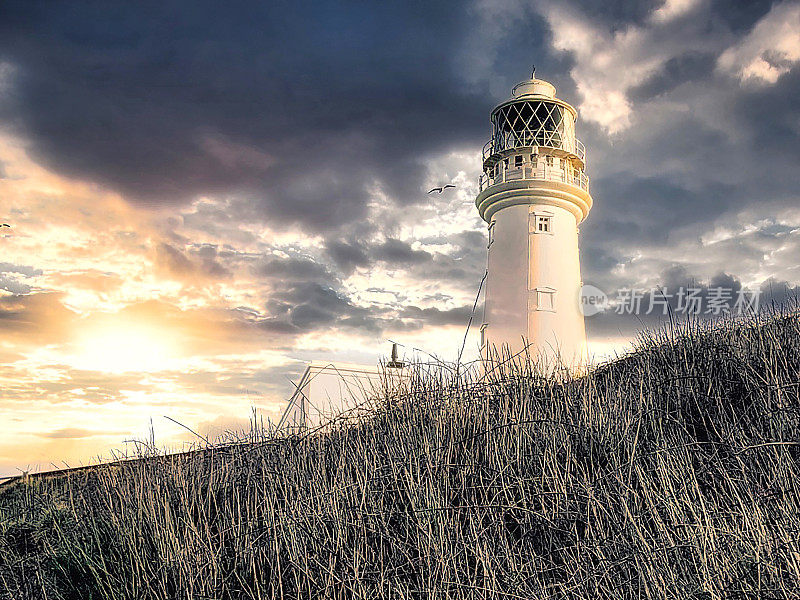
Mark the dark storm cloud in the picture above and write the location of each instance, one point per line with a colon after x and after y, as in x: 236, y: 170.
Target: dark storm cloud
x: 740, y: 15
x: 398, y: 252
x: 618, y: 13
x: 459, y: 259
x: 309, y: 305
x: 462, y: 266
x: 173, y: 261
x: 768, y: 117
x: 293, y: 268
x: 305, y: 297
x: 779, y: 295
x: 596, y: 259
x: 677, y: 70
x: 707, y: 171
x: 347, y: 255
x: 461, y: 263
x: 303, y: 105
x: 647, y: 209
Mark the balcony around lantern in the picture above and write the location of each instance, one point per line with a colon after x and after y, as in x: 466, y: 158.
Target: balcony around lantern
x: 541, y: 173
x: 569, y: 145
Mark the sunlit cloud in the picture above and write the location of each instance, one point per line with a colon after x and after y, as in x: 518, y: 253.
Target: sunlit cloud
x: 770, y: 50
x: 609, y: 62
x: 673, y: 9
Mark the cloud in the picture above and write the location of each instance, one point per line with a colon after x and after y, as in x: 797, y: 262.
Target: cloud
x: 195, y: 266
x: 437, y: 317
x: 609, y: 61
x: 769, y: 51
x: 673, y: 9
x: 680, y: 162
x: 159, y: 116
x: 10, y: 278
x: 687, y: 67
x: 25, y: 270
x: 295, y: 268
x: 70, y: 433
x: 597, y: 72
x: 33, y: 319
x: 399, y: 252
x: 310, y: 305
x: 12, y: 285
x: 347, y: 255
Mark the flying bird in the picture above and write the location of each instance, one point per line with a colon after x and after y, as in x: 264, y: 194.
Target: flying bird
x: 441, y: 189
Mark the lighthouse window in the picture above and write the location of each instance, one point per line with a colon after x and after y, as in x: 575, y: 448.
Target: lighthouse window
x: 529, y: 124
x: 534, y: 160
x: 505, y: 163
x: 518, y: 161
x: 543, y: 224
x: 548, y: 160
x: 497, y: 169
x: 545, y: 299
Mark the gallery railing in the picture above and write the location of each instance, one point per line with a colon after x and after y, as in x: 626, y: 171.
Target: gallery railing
x: 543, y: 173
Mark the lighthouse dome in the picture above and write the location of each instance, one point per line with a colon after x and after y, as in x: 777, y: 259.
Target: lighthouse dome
x: 533, y: 117
x: 533, y: 87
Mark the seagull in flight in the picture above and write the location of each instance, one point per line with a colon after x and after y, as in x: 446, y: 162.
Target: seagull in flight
x: 441, y: 189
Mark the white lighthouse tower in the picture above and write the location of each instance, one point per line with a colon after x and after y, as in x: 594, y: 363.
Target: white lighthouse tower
x: 533, y: 195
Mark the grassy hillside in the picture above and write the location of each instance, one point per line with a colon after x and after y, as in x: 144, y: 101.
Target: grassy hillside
x: 672, y: 473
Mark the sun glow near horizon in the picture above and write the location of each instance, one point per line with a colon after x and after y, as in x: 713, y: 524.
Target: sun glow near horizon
x: 125, y: 348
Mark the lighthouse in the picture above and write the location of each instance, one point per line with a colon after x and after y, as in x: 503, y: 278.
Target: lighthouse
x: 533, y: 195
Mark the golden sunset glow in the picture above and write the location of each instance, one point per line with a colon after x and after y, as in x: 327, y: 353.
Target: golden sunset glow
x: 124, y: 349
x: 116, y: 316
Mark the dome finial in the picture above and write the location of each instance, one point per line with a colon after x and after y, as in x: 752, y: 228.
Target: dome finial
x: 533, y: 71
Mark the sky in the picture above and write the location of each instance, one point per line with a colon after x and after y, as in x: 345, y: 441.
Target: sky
x: 204, y: 196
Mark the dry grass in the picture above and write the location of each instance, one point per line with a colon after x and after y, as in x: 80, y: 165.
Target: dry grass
x: 672, y: 473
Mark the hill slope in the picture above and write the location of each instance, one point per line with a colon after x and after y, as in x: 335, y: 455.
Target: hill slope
x: 671, y: 473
